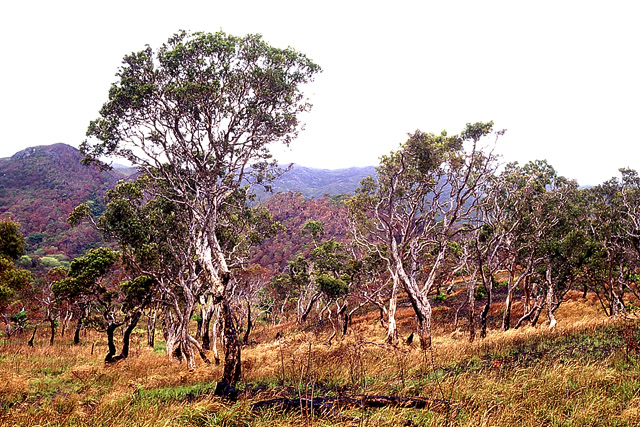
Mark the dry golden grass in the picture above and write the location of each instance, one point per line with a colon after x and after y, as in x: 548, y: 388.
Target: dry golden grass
x: 581, y: 373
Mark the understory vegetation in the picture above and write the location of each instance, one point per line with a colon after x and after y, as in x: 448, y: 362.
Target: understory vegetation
x: 586, y: 372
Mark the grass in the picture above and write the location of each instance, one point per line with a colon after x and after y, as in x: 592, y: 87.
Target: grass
x: 584, y: 373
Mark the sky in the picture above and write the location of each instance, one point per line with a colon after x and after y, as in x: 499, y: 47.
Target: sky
x: 562, y: 77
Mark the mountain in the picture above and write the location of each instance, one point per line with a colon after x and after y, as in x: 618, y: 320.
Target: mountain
x: 40, y: 186
x: 315, y: 183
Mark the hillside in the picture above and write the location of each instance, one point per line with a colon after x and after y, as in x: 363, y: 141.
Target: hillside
x: 40, y: 186
x: 584, y: 372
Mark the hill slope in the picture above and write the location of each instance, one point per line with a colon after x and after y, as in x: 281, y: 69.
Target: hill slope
x: 40, y: 186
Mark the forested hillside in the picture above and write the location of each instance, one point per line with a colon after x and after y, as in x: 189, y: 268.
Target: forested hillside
x: 40, y: 186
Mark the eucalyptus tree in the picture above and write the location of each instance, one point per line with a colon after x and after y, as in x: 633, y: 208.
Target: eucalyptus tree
x: 90, y: 282
x: 93, y: 282
x: 48, y: 301
x: 555, y: 217
x: 424, y: 192
x: 611, y: 226
x: 511, y: 203
x: 200, y: 114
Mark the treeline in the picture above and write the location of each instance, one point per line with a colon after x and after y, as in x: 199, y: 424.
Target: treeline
x: 437, y: 217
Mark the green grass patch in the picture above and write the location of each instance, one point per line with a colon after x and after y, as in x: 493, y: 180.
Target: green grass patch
x: 174, y: 394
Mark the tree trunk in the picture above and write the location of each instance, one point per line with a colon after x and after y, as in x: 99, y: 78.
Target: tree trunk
x: 550, y: 295
x: 33, y: 336
x: 488, y: 283
x: 199, y: 322
x: 76, y: 335
x: 210, y: 311
x: 304, y: 312
x: 232, y: 353
x: 111, y: 327
x: 151, y: 327
x: 245, y: 339
x: 471, y: 299
x: 424, y: 327
x: 185, y: 342
x: 536, y: 315
x: 65, y: 320
x: 215, y: 333
x: 170, y: 331
x: 52, y: 328
x: 392, y: 328
x: 506, y: 318
x: 527, y: 295
x: 201, y: 352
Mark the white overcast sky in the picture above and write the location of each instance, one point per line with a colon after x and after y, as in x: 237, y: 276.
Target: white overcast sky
x: 563, y: 77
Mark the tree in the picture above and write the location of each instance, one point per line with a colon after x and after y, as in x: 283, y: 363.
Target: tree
x: 558, y: 251
x: 12, y: 279
x: 425, y: 191
x: 199, y: 115
x: 611, y: 229
x: 90, y: 282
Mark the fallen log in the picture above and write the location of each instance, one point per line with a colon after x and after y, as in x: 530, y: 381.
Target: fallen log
x: 330, y: 405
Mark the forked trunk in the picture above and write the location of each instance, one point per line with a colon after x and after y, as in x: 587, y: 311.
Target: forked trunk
x: 421, y: 306
x: 217, y: 273
x: 126, y: 337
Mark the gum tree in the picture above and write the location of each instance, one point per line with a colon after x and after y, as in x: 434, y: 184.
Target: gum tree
x: 199, y: 114
x: 424, y: 194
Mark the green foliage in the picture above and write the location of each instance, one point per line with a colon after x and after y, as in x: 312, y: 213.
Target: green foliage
x: 440, y: 297
x: 480, y: 291
x: 84, y: 274
x: 12, y: 279
x: 333, y: 287
x: 315, y: 228
x: 11, y: 240
x: 54, y: 261
x: 137, y: 290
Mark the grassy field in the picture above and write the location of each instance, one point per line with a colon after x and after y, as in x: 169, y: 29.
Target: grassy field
x: 585, y: 372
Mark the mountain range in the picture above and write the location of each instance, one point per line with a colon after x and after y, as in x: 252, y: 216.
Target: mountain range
x: 40, y: 186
